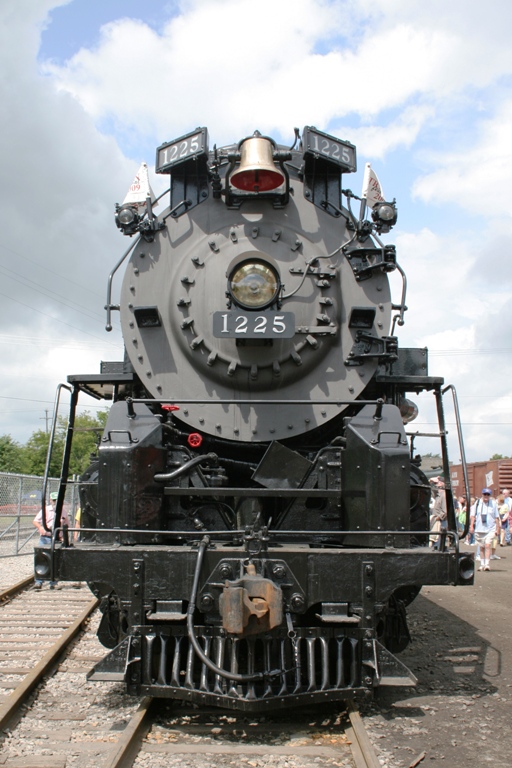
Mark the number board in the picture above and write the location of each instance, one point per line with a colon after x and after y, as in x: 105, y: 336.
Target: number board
x: 190, y: 146
x: 343, y: 153
x: 253, y: 325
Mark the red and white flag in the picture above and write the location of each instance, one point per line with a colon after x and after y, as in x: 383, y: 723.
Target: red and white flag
x: 372, y: 190
x: 140, y: 188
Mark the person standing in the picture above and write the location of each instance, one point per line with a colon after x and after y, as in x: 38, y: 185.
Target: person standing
x: 504, y: 511
x: 485, y: 523
x: 45, y: 534
x: 461, y: 515
x: 438, y: 515
x: 508, y: 526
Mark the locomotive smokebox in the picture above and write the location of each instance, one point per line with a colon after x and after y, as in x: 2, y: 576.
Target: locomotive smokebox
x: 252, y: 307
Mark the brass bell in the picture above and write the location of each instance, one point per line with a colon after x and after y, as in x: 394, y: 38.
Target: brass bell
x: 257, y: 171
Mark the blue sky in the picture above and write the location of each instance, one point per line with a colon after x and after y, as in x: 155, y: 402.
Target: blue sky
x: 76, y: 24
x: 90, y: 89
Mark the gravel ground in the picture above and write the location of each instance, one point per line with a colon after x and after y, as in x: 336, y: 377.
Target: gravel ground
x: 459, y: 713
x: 14, y: 569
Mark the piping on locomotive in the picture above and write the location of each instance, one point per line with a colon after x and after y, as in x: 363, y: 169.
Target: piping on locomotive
x: 256, y: 520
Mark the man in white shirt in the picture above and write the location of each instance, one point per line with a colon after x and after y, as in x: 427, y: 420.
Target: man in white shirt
x: 45, y: 535
x: 485, y: 524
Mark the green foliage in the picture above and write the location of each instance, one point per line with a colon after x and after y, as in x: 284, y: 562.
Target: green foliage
x: 12, y: 457
x: 31, y: 458
x: 36, y: 449
x: 497, y: 456
x: 87, y: 432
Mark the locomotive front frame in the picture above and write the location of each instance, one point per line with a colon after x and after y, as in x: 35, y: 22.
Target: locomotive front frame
x: 340, y: 595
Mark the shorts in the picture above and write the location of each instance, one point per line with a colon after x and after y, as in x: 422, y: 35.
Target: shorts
x: 485, y: 537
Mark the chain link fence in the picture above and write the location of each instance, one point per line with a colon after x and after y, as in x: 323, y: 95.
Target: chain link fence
x: 20, y: 501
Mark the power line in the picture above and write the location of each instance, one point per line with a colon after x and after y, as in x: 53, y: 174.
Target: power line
x: 467, y: 352
x: 29, y: 341
x: 47, y: 269
x: 95, y: 316
x: 58, y: 320
x: 28, y: 283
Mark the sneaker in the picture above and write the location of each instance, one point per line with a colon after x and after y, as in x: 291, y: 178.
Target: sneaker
x: 55, y: 586
x: 495, y: 557
x: 38, y: 585
x: 486, y: 568
x: 481, y: 568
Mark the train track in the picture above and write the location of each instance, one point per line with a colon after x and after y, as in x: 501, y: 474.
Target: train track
x: 173, y: 735
x: 52, y: 717
x: 36, y: 627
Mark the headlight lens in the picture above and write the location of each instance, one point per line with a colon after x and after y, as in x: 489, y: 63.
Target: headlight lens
x: 127, y: 215
x: 254, y: 285
x: 408, y: 410
x: 386, y: 212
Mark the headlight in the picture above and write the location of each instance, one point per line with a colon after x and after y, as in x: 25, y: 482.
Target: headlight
x: 385, y: 216
x: 408, y: 410
x: 254, y: 285
x: 127, y: 218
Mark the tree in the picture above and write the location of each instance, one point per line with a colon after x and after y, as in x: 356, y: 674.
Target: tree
x: 87, y: 433
x: 36, y: 449
x: 497, y: 456
x: 32, y: 460
x: 12, y: 457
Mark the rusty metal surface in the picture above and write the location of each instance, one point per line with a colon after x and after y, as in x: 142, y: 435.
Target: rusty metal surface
x: 251, y: 604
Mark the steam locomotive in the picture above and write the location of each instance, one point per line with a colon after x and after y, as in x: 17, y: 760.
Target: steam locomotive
x: 256, y: 520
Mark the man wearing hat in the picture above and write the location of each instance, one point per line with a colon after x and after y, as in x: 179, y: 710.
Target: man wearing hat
x: 45, y: 534
x: 485, y: 523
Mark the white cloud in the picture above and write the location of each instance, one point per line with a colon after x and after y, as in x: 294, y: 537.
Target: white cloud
x: 480, y: 33
x: 287, y: 61
x: 267, y: 69
x: 61, y: 178
x: 465, y: 326
x: 478, y: 177
x: 377, y: 141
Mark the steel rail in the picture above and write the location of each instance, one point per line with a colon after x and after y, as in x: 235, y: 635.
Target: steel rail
x: 129, y: 744
x: 5, y: 594
x: 363, y: 751
x: 10, y: 709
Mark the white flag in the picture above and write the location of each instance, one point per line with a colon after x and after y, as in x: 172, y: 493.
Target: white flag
x: 372, y: 190
x: 140, y: 188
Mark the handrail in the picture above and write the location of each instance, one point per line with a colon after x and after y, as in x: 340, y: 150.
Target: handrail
x: 450, y: 508
x: 109, y: 306
x: 196, y: 536
x: 462, y: 454
x: 50, y: 451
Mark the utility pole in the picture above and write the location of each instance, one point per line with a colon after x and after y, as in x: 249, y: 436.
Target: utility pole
x: 47, y: 418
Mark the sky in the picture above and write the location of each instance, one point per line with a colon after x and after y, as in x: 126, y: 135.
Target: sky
x: 424, y: 89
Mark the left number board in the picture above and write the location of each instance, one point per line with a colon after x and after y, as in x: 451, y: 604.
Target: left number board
x: 173, y: 153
